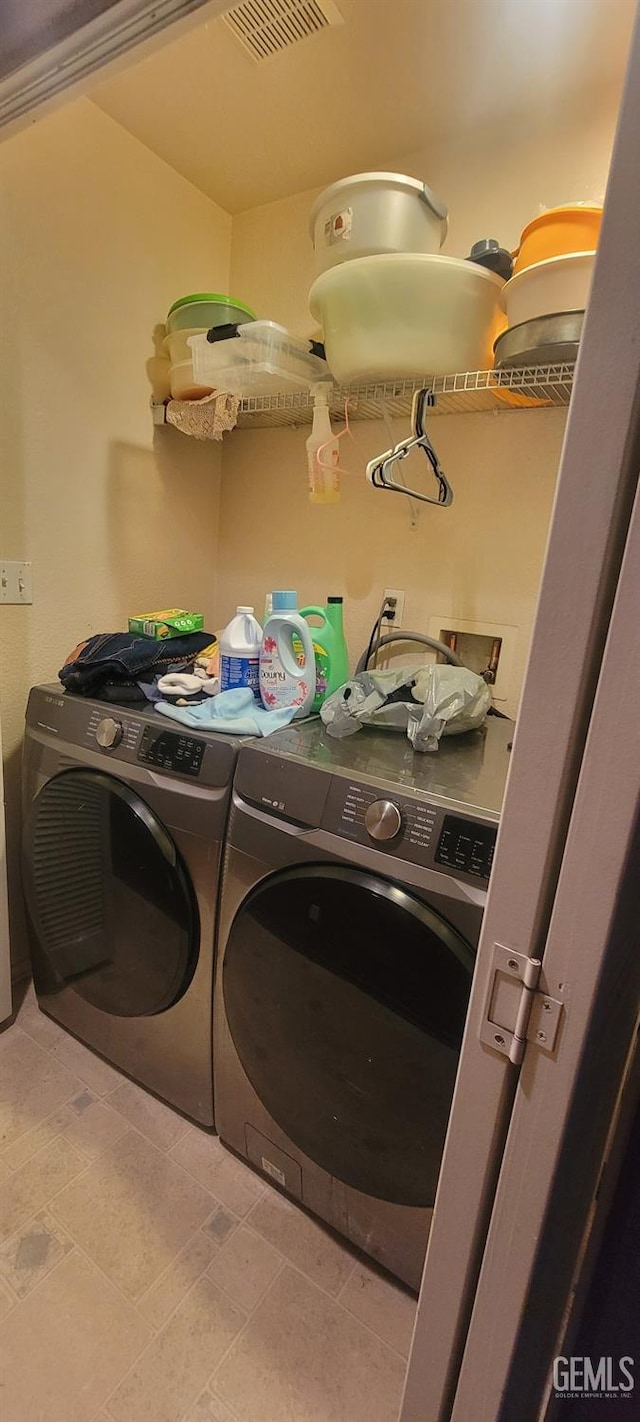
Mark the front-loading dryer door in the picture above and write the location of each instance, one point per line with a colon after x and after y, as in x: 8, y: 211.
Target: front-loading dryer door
x: 346, y: 998
x: 112, y: 912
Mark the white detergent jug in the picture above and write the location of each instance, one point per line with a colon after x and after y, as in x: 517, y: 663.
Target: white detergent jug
x: 240, y: 652
x: 287, y: 659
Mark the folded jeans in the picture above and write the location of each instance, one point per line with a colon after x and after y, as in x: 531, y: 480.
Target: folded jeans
x: 111, y: 657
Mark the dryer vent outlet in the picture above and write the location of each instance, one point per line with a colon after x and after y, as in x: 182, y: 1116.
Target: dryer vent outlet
x: 266, y: 27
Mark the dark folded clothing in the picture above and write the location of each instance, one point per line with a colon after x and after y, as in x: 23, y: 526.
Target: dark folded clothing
x: 120, y: 659
x: 121, y: 692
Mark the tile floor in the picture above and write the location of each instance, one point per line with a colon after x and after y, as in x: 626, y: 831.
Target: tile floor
x: 146, y: 1275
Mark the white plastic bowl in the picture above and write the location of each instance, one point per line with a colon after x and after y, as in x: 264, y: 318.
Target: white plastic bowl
x: 184, y: 385
x: 372, y: 213
x: 550, y: 287
x: 191, y: 316
x: 406, y: 314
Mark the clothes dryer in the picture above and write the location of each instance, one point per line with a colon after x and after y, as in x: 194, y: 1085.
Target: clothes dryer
x: 124, y: 819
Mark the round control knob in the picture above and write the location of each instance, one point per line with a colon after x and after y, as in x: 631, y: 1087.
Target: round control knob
x: 109, y: 733
x: 383, y: 820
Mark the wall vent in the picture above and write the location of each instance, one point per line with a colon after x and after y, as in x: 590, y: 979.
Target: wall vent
x: 264, y: 27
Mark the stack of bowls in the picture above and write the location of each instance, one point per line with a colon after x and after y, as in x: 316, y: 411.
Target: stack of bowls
x: 547, y: 295
x: 388, y: 304
x: 189, y: 316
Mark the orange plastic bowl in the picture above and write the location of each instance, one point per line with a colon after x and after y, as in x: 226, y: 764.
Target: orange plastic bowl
x: 558, y: 232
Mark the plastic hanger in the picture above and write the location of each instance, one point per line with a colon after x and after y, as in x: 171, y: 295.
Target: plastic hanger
x: 327, y: 464
x: 379, y: 470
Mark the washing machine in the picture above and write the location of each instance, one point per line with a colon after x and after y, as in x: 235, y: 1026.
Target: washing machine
x: 354, y: 883
x: 124, y: 817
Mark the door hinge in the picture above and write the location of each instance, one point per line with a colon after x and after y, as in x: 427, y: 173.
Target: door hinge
x: 515, y: 1011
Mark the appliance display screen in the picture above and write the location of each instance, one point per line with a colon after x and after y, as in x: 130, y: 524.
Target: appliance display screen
x: 467, y: 845
x: 171, y: 751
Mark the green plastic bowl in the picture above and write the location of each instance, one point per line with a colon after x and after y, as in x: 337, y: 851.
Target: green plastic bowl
x: 206, y: 309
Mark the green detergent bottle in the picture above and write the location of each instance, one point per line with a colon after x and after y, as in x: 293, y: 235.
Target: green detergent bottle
x: 330, y: 648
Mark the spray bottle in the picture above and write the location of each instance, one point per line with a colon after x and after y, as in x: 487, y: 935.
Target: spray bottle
x: 322, y: 451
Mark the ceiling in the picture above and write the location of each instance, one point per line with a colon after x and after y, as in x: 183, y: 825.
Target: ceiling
x: 396, y: 77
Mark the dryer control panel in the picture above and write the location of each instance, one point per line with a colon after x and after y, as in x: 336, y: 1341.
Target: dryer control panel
x: 417, y: 830
x: 171, y: 751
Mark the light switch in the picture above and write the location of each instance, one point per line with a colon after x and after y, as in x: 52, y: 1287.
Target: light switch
x: 15, y: 582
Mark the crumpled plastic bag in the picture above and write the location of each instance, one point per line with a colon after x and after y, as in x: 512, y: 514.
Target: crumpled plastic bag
x: 426, y: 703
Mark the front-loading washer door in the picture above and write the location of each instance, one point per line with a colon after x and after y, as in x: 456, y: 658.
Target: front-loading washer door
x: 346, y: 998
x: 112, y: 912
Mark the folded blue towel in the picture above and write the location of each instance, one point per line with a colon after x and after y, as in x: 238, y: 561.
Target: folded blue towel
x: 236, y: 712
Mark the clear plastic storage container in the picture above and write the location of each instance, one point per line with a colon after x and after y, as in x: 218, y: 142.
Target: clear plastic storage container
x: 263, y: 359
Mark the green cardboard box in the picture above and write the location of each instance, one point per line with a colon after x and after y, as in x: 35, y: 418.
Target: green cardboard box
x: 173, y: 622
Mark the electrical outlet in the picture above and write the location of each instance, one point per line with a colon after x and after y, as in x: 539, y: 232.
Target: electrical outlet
x: 15, y: 582
x: 398, y: 594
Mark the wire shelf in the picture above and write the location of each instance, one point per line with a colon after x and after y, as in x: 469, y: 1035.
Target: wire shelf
x: 474, y: 392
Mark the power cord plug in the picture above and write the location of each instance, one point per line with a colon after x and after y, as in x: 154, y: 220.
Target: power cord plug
x: 389, y: 609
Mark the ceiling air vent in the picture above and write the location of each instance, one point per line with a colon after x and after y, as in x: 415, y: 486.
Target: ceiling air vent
x: 264, y: 27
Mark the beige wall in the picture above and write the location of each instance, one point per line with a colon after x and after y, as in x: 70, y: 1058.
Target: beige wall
x: 479, y: 562
x: 97, y: 237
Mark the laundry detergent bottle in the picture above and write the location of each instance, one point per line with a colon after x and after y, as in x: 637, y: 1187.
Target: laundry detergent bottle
x: 240, y: 652
x: 287, y: 661
x: 330, y: 649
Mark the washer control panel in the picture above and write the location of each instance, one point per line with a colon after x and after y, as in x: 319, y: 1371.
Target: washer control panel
x: 466, y: 845
x: 416, y: 830
x: 171, y: 751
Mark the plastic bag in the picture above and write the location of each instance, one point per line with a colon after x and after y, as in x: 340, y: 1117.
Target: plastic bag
x: 454, y: 700
x: 426, y: 703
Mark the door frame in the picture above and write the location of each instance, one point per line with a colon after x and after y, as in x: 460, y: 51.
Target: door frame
x: 590, y: 522
x: 5, y: 942
x: 106, y: 45
x: 566, y: 1099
